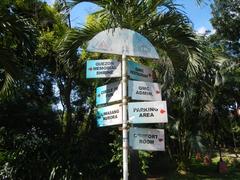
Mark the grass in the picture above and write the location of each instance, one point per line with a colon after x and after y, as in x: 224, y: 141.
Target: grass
x: 198, y: 171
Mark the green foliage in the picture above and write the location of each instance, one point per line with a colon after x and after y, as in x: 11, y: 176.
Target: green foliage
x: 25, y: 154
x: 16, y: 45
x: 144, y: 157
x: 41, y: 53
x: 188, y: 71
x: 225, y: 20
x: 116, y: 148
x: 46, y: 42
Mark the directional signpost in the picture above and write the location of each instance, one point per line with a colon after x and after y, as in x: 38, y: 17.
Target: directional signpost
x: 140, y: 90
x: 147, y: 139
x: 126, y: 42
x: 147, y: 112
x: 109, y: 93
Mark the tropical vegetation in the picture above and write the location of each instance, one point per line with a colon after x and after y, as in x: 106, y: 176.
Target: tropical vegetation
x: 47, y: 106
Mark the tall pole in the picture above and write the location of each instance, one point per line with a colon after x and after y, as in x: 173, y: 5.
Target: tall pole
x: 124, y: 123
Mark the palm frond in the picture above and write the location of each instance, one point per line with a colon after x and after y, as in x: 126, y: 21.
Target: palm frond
x: 22, y: 31
x: 171, y: 32
x: 9, y: 72
x: 7, y: 83
x: 159, y: 20
x: 195, y: 64
x: 76, y: 38
x: 8, y: 62
x: 100, y: 3
x: 17, y: 44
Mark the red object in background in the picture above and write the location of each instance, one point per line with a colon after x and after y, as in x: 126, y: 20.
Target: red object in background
x: 206, y: 160
x: 198, y: 156
x: 222, y: 167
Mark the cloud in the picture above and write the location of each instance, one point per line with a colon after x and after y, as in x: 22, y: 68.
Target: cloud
x: 213, y: 31
x: 202, y: 30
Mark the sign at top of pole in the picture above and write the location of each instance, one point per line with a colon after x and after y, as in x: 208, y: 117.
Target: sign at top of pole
x: 119, y: 40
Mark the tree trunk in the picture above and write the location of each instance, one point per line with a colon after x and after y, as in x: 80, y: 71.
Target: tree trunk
x: 68, y: 115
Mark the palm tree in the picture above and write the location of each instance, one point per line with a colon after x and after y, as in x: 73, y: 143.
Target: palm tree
x: 163, y: 24
x: 16, y: 44
x: 160, y: 21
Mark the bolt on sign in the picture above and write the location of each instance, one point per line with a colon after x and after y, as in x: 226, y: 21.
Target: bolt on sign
x: 109, y: 115
x: 139, y: 72
x: 109, y: 93
x: 147, y: 112
x: 140, y: 90
x: 147, y: 139
x: 105, y: 68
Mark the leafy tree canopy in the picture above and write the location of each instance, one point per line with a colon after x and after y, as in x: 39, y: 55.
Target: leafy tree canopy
x: 226, y: 20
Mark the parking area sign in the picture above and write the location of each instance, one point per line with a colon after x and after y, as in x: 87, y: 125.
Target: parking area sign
x: 147, y: 112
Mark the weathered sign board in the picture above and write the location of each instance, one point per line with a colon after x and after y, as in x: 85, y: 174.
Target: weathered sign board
x: 140, y: 90
x: 147, y: 112
x: 139, y: 72
x: 115, y: 40
x: 109, y: 115
x: 109, y: 93
x: 147, y: 139
x: 105, y: 68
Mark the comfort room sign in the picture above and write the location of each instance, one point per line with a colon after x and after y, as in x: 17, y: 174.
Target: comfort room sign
x: 147, y: 139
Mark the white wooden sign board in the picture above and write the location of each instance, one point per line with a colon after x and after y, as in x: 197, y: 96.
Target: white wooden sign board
x: 147, y: 112
x: 147, y: 139
x: 140, y: 90
x: 109, y: 115
x: 109, y: 93
x: 105, y: 68
x: 139, y: 72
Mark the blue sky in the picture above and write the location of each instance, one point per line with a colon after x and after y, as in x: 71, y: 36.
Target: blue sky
x: 198, y: 14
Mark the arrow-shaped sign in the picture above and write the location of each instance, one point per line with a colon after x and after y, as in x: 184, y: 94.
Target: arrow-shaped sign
x: 109, y: 115
x: 109, y: 93
x: 103, y: 68
x: 147, y: 139
x: 147, y: 112
x: 148, y: 91
x: 139, y: 72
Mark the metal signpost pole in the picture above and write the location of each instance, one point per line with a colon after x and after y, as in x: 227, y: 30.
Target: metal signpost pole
x: 124, y: 123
